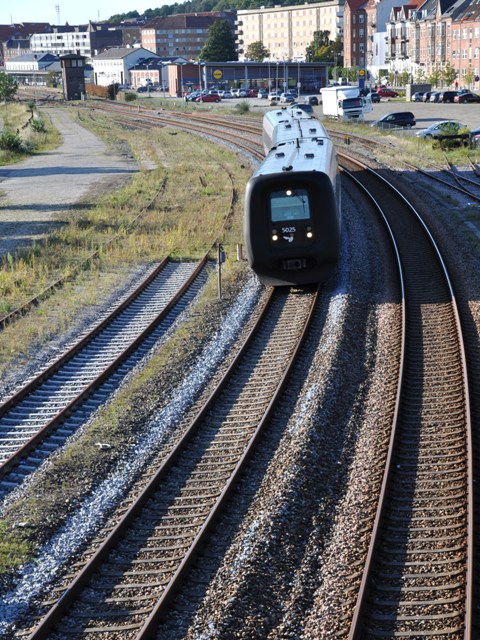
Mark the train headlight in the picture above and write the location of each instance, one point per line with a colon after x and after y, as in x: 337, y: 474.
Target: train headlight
x: 274, y: 235
x: 309, y: 233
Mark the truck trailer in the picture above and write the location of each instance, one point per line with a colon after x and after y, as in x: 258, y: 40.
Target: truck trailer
x: 345, y: 102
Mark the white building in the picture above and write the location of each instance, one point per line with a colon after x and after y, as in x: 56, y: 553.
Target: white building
x: 113, y: 66
x: 88, y: 40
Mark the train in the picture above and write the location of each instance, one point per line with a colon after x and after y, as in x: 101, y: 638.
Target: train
x: 292, y: 221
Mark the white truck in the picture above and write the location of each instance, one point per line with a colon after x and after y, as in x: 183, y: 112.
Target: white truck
x: 345, y: 102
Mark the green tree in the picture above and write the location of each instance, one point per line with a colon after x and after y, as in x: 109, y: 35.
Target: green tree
x: 469, y: 77
x: 434, y: 78
x: 448, y: 74
x: 257, y: 52
x: 8, y: 87
x: 321, y: 39
x: 220, y: 44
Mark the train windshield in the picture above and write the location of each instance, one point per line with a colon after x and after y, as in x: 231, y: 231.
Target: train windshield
x: 289, y: 204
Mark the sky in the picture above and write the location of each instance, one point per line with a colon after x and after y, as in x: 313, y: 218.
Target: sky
x: 71, y: 11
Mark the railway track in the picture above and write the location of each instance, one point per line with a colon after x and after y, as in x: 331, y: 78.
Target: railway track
x: 418, y: 576
x: 41, y: 416
x: 125, y: 587
x: 227, y: 131
x: 451, y: 179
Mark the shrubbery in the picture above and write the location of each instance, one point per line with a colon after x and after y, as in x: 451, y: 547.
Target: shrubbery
x: 10, y: 141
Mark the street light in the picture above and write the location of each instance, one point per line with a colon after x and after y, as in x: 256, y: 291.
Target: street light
x: 182, y: 64
x: 200, y: 62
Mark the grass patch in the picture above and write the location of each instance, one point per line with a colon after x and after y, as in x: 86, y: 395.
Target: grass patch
x: 34, y: 131
x: 13, y: 549
x: 175, y: 210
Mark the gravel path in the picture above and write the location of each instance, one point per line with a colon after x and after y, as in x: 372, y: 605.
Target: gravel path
x: 37, y: 194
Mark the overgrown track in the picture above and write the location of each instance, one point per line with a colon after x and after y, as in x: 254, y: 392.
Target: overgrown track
x: 237, y: 132
x: 40, y: 417
x: 418, y: 576
x: 125, y: 587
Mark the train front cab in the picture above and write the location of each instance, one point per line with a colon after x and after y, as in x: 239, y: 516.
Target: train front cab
x: 292, y: 228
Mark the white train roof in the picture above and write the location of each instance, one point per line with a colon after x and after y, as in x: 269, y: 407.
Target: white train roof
x: 300, y: 154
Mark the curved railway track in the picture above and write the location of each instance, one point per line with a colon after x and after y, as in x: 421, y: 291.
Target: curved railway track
x: 41, y: 416
x: 418, y: 574
x: 127, y: 584
x: 418, y: 577
x: 452, y: 179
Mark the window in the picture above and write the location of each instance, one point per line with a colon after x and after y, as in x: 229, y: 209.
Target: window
x: 290, y: 204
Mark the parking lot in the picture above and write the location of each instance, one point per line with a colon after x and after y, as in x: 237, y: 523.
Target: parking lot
x: 425, y: 113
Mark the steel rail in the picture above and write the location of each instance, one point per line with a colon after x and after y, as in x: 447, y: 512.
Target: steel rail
x: 30, y: 445
x: 356, y: 630
x: 60, y: 608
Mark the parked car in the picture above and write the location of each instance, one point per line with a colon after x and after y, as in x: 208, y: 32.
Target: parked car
x: 274, y: 95
x: 287, y: 97
x: 463, y: 98
x: 304, y: 107
x: 252, y: 93
x: 418, y: 96
x: 190, y: 97
x: 375, y: 96
x: 397, y: 120
x: 441, y: 128
x: 447, y: 96
x: 312, y: 100
x: 475, y: 136
x: 435, y: 96
x: 208, y: 97
x: 225, y: 94
x: 426, y: 96
x: 387, y: 93
x: 262, y: 93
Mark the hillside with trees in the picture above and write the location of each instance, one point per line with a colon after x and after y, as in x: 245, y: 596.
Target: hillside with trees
x: 198, y: 6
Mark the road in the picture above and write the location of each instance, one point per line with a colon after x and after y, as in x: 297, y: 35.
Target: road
x: 37, y: 194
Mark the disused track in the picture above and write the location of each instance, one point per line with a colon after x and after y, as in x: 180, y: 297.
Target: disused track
x: 41, y: 416
x: 124, y: 588
x: 418, y: 577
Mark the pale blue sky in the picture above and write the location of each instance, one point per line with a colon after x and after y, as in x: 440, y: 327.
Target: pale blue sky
x: 71, y: 11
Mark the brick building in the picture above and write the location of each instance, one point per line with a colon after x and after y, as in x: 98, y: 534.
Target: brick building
x: 183, y: 34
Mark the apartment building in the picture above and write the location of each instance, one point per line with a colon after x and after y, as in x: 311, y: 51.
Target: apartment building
x: 287, y: 31
x: 84, y: 40
x: 183, y: 34
x: 414, y: 37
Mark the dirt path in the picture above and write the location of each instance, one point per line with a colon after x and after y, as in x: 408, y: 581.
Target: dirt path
x: 37, y: 194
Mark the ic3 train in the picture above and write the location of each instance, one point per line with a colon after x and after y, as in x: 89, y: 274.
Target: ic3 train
x: 292, y: 202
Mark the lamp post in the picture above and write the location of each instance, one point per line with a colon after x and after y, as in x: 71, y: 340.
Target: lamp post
x: 276, y: 81
x: 200, y: 74
x: 181, y: 79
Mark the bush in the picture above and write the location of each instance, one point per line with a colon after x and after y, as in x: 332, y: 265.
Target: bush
x: 130, y: 97
x: 243, y: 107
x: 10, y: 141
x: 38, y: 126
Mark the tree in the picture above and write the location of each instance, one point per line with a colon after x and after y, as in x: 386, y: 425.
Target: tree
x: 448, y: 74
x: 434, y: 78
x: 8, y: 87
x: 321, y: 39
x: 257, y: 52
x: 220, y: 44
